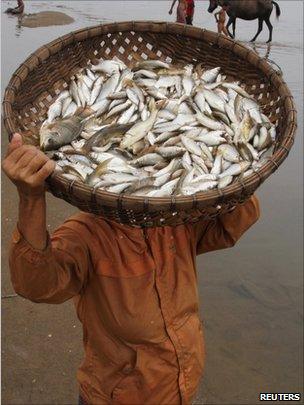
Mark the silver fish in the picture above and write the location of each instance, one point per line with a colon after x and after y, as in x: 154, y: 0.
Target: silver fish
x: 217, y: 166
x: 152, y: 64
x: 209, y: 122
x: 156, y: 130
x: 95, y: 90
x: 54, y: 110
x: 209, y: 76
x: 59, y: 133
x: 106, y: 66
x: 108, y: 88
x: 236, y: 88
x: 166, y: 190
x: 214, y: 100
x: 169, y: 151
x: 132, y: 96
x: 200, y: 162
x: 235, y: 169
x: 149, y: 159
x: 212, y: 138
x: 191, y: 145
x: 225, y: 181
x: 146, y: 73
x: 204, y: 186
x: 229, y: 153
x: 126, y: 116
x: 74, y: 93
x: 140, y: 129
x: 119, y: 108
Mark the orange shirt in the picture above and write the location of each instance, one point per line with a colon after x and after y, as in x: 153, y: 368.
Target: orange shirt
x: 136, y: 295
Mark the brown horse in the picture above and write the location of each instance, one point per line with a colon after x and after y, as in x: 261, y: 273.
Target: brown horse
x: 248, y: 10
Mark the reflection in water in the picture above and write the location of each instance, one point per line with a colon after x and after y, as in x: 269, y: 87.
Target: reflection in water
x: 263, y: 51
x: 19, y: 25
x: 18, y: 18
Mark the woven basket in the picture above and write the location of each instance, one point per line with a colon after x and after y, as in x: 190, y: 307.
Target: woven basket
x: 37, y: 82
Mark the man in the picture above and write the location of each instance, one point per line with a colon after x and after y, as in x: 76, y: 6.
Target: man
x: 135, y: 290
x: 220, y: 18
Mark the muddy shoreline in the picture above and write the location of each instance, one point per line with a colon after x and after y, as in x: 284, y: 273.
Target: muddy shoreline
x: 45, y: 19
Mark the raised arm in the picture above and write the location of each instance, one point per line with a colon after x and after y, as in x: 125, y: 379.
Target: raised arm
x: 172, y: 6
x: 27, y: 168
x: 42, y: 270
x: 216, y: 16
x: 226, y: 229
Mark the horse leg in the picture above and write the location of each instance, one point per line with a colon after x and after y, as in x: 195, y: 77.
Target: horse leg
x: 230, y: 21
x: 261, y: 20
x: 270, y: 27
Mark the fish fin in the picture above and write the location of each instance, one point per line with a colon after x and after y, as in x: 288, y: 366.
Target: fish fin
x: 161, y: 104
x: 128, y: 82
x: 84, y: 112
x: 147, y: 150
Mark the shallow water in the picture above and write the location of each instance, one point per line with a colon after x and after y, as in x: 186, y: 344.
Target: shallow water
x: 251, y: 295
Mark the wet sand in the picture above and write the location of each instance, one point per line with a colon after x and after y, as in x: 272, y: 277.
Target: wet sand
x: 46, y: 19
x: 251, y: 295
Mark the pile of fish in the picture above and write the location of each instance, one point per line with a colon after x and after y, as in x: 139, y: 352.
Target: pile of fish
x: 155, y: 129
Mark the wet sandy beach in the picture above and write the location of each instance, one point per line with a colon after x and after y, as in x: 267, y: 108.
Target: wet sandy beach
x: 45, y: 19
x: 251, y: 295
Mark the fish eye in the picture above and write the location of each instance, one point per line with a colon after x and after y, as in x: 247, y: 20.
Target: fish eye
x: 50, y: 143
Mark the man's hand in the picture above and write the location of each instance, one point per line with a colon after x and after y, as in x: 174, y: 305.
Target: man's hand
x: 27, y: 167
x: 170, y: 11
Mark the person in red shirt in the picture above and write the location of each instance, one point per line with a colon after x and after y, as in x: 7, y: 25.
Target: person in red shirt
x: 190, y: 12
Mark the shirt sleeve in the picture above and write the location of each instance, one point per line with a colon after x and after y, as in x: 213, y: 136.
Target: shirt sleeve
x: 225, y: 230
x: 55, y: 274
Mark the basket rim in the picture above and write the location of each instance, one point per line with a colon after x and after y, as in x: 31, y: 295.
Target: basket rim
x: 216, y: 196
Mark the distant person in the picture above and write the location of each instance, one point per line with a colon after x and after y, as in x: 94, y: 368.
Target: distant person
x: 17, y: 10
x: 190, y: 12
x: 181, y: 11
x: 220, y: 17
